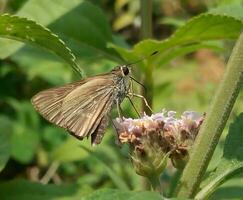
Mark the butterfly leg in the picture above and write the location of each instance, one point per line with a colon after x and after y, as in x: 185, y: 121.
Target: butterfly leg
x: 117, y: 134
x: 133, y: 106
x: 131, y: 88
x: 143, y: 98
x: 119, y: 110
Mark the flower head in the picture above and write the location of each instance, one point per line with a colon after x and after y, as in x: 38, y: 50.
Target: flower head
x: 152, y: 138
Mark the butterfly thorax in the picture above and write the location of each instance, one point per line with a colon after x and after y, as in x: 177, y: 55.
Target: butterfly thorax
x: 122, y: 83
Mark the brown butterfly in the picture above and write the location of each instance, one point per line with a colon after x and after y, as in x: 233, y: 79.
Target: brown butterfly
x: 83, y: 107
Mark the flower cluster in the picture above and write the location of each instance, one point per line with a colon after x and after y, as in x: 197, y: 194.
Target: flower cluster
x: 155, y: 138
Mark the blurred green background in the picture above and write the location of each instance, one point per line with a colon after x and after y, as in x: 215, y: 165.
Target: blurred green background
x: 38, y: 151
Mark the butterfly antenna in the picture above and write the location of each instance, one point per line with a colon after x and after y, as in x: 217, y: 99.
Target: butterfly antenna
x: 145, y: 89
x: 144, y: 58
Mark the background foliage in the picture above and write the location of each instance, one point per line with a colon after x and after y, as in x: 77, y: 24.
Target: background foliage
x: 194, y: 40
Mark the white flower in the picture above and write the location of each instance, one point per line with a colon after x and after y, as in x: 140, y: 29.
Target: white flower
x: 161, y: 131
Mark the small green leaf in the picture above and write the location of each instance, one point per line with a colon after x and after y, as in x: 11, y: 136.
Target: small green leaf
x: 111, y: 194
x: 22, y: 190
x: 231, y: 163
x: 5, y: 131
x: 28, y: 31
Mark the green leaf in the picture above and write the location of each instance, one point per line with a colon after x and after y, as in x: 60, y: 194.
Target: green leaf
x: 40, y: 63
x: 22, y: 190
x: 204, y: 27
x: 172, y: 21
x: 24, y: 144
x: 111, y: 194
x: 125, y: 53
x: 232, y: 189
x: 25, y: 138
x: 69, y: 151
x: 28, y: 31
x: 118, y: 181
x: 183, y: 50
x: 201, y: 28
x: 231, y: 163
x: 233, y: 10
x: 5, y: 131
x: 43, y: 12
x: 86, y: 31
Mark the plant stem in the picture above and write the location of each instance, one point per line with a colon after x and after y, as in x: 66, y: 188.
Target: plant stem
x: 214, y: 124
x: 174, y: 182
x: 146, y: 19
x: 155, y: 183
x: 146, y: 32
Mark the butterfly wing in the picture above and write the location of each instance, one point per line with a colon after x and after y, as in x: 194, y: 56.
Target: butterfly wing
x: 77, y: 107
x: 49, y: 102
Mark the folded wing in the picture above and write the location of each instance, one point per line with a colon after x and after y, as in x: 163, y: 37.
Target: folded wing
x: 77, y: 107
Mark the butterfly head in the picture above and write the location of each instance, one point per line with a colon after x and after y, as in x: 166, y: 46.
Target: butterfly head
x: 125, y: 70
x: 122, y: 71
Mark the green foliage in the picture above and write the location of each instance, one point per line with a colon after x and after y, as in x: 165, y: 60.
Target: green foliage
x: 6, y: 129
x: 232, y: 189
x: 234, y: 10
x: 69, y: 151
x: 115, y: 178
x: 25, y: 138
x: 192, y: 36
x: 36, y: 10
x: 28, y: 31
x: 87, y: 31
x: 231, y: 163
x: 29, y: 143
x: 110, y: 194
x: 22, y: 189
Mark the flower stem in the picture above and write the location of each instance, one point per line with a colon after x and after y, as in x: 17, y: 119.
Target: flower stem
x: 155, y: 183
x: 214, y: 124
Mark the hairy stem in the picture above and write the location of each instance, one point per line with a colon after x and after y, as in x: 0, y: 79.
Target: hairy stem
x: 214, y: 124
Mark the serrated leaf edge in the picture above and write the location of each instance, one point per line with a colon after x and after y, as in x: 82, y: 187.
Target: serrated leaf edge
x: 190, y: 21
x: 72, y: 56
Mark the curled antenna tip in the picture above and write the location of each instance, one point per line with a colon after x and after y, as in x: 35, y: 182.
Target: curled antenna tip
x: 155, y: 52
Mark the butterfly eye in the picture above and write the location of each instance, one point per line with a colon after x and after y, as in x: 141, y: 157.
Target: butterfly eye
x: 125, y: 70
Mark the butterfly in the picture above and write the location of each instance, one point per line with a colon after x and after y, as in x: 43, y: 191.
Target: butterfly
x: 83, y: 107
